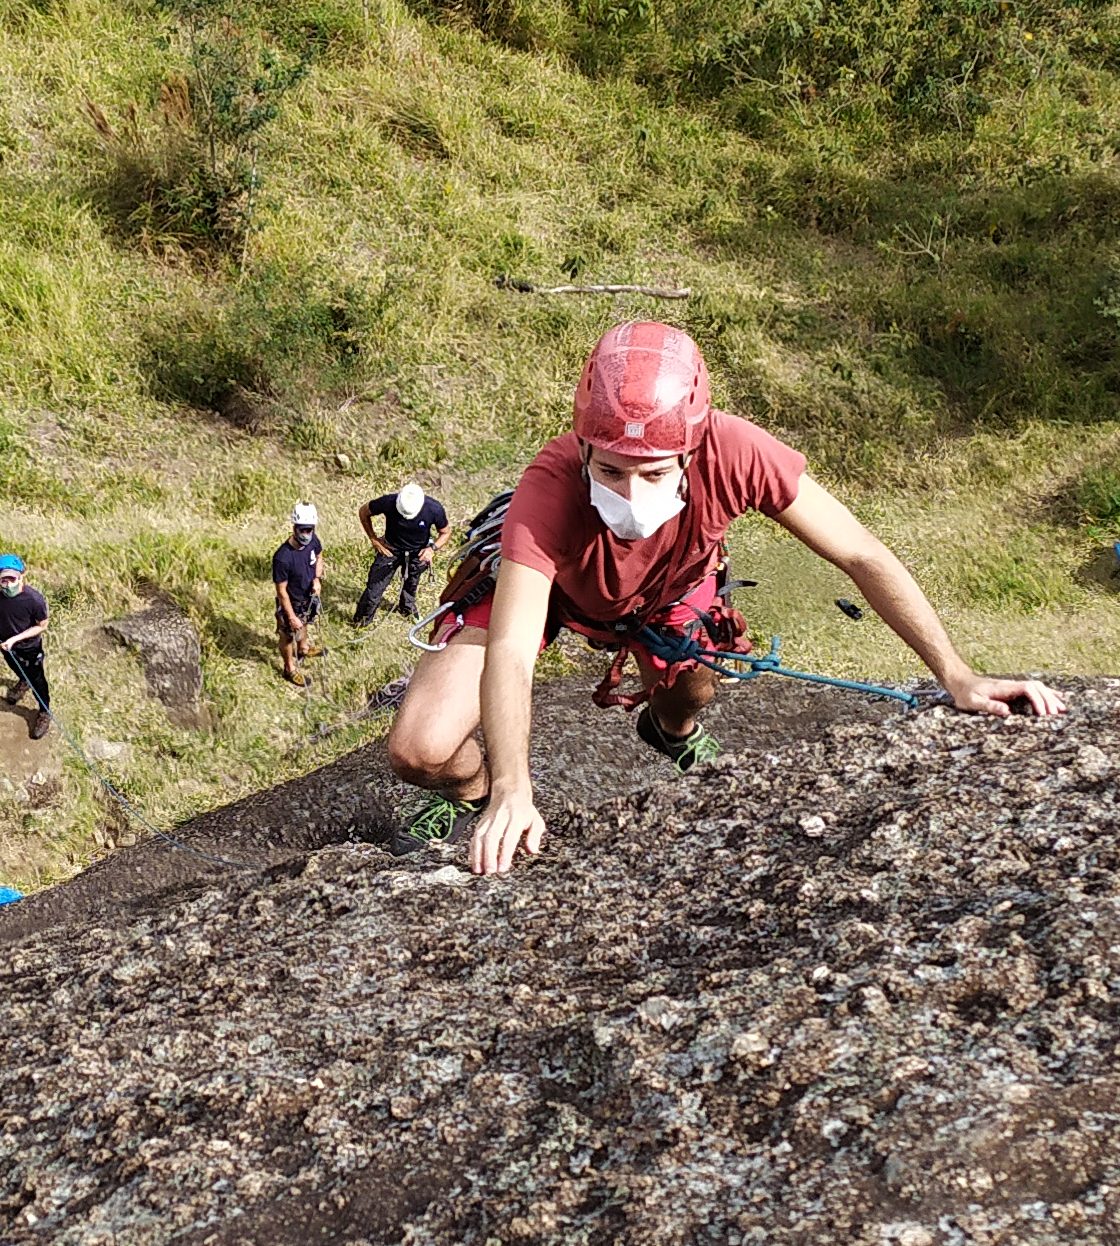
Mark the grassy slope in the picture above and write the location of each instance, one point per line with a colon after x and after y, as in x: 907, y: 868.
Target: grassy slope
x: 961, y: 397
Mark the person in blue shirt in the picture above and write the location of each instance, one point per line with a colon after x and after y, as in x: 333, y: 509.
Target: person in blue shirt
x: 23, y: 620
x: 408, y: 546
x: 297, y: 572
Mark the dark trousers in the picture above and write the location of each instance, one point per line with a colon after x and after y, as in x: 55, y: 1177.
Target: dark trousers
x: 381, y: 573
x: 32, y: 670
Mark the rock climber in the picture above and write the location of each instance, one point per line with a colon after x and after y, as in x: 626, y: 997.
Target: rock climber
x: 615, y: 525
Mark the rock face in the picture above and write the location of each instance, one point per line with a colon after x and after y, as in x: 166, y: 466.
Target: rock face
x: 858, y: 989
x: 169, y: 648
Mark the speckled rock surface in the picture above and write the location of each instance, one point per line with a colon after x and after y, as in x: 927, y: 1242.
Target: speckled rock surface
x: 861, y: 988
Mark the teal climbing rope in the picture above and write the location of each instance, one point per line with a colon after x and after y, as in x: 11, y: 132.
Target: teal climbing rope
x: 684, y: 648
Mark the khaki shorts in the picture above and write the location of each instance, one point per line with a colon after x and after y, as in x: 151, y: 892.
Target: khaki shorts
x: 282, y: 627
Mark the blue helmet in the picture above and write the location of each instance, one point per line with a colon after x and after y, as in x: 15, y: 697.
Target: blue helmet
x: 12, y: 562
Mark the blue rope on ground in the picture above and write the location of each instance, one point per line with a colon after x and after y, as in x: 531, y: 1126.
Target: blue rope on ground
x: 121, y: 800
x: 688, y: 649
x: 9, y: 895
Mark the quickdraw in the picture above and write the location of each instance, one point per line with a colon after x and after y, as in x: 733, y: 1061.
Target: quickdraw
x: 683, y: 648
x: 474, y: 570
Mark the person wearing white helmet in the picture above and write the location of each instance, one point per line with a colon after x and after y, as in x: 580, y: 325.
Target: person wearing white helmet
x: 297, y: 573
x: 408, y: 546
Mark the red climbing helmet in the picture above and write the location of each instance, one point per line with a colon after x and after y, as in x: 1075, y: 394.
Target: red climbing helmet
x: 643, y: 392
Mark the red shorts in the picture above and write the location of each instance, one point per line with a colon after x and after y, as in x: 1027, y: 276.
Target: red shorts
x: 676, y: 616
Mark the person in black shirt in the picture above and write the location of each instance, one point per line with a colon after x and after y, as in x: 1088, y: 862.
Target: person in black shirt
x: 297, y: 572
x: 408, y: 545
x: 23, y: 620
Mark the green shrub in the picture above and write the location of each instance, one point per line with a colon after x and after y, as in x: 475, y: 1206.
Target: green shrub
x: 285, y: 331
x: 188, y: 173
x: 1098, y: 495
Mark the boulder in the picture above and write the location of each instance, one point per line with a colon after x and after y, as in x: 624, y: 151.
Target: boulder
x: 854, y: 984
x: 168, y: 645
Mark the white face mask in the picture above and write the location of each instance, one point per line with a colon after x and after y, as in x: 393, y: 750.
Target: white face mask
x: 636, y: 518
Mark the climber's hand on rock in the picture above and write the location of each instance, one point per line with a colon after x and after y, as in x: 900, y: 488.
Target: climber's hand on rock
x: 981, y: 694
x: 505, y: 824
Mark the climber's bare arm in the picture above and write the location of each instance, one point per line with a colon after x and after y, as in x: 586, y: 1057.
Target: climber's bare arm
x: 828, y: 528
x: 513, y: 641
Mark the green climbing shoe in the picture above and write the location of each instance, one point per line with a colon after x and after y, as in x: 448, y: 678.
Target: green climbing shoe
x: 435, y: 820
x: 684, y: 753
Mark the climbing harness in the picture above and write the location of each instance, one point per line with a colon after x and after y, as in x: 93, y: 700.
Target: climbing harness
x: 121, y: 800
x: 474, y: 570
x: 726, y: 628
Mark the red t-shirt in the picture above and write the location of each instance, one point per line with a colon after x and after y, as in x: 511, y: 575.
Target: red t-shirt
x: 552, y: 527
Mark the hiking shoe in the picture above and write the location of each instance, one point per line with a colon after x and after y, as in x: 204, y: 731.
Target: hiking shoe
x: 41, y: 725
x: 683, y: 752
x: 435, y: 820
x: 315, y: 651
x: 361, y: 623
x: 298, y: 678
x: 17, y: 692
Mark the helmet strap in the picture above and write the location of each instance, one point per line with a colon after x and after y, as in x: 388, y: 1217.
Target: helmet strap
x: 682, y: 488
x: 585, y: 459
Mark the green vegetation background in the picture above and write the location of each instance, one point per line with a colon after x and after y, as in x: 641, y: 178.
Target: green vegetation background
x: 239, y: 241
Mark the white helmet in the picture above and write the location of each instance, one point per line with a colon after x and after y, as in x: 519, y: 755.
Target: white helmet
x: 304, y: 515
x: 410, y: 500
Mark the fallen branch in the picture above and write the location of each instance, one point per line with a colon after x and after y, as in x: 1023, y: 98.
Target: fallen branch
x: 527, y: 287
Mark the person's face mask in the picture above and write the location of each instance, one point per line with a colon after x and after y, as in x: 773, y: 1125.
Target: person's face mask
x: 304, y: 535
x: 11, y: 588
x: 639, y: 516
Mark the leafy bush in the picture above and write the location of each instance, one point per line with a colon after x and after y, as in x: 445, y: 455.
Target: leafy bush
x: 188, y: 174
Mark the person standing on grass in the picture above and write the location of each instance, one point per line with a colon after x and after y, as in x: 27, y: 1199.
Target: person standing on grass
x: 616, y: 527
x: 23, y: 620
x: 408, y: 546
x: 297, y: 572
